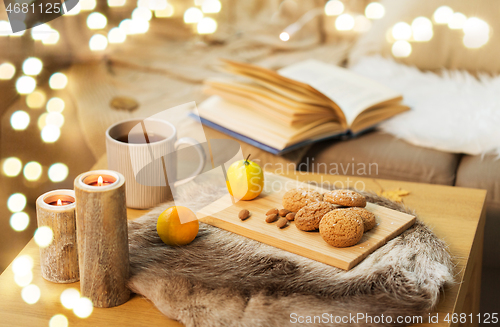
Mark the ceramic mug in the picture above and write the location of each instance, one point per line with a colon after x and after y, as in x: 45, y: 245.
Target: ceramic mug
x: 144, y: 151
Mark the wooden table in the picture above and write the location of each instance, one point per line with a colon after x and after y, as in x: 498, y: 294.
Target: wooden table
x: 455, y: 214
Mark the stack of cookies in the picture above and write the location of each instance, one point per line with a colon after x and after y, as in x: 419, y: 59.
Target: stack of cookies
x: 339, y: 215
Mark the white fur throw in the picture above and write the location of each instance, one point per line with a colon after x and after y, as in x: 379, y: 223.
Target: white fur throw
x: 454, y: 112
x: 223, y: 279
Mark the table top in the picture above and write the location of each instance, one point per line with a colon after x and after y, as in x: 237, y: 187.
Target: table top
x: 455, y: 214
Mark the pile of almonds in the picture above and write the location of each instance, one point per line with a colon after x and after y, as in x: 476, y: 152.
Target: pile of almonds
x: 284, y: 217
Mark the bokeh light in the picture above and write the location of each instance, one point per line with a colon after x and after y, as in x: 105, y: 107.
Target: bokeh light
x: 362, y: 24
x: 211, y: 6
x: 58, y: 81
x: 69, y: 297
x: 401, y: 31
x: 41, y: 32
x: 192, y: 15
x: 32, y: 66
x: 83, y: 307
x: 442, y: 15
x: 476, y: 33
x: 7, y: 71
x: 53, y: 38
x: 24, y: 279
x: 457, y: 21
x: 36, y: 100
x: 54, y: 118
x: 19, y: 120
x: 30, y: 294
x: 374, y: 10
x: 167, y: 12
x: 138, y: 26
x: 32, y: 171
x: 41, y: 120
x: 58, y: 172
x: 475, y: 41
x: 96, y: 21
x: 334, y: 8
x: 50, y: 133
x: 58, y: 320
x: 125, y: 26
x: 206, y: 26
x: 157, y: 4
x: 401, y: 49
x: 55, y: 105
x: 12, y: 166
x: 16, y: 202
x: 22, y: 265
x: 43, y: 236
x: 25, y: 84
x: 116, y: 3
x: 284, y: 36
x: 5, y: 28
x: 88, y: 4
x: 422, y: 29
x: 116, y: 35
x: 142, y: 13
x: 98, y: 42
x: 344, y: 22
x: 19, y: 221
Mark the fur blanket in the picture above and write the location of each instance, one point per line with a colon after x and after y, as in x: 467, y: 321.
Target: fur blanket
x: 452, y: 112
x: 223, y: 279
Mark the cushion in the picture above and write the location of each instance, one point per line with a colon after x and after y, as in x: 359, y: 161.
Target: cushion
x: 382, y: 156
x: 484, y: 173
x: 446, y: 48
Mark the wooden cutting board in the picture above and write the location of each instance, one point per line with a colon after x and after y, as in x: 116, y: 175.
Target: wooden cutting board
x: 390, y: 223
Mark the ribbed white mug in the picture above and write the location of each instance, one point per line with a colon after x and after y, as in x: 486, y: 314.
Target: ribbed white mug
x: 147, y: 159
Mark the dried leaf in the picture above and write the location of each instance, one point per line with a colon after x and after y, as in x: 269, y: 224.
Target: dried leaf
x: 394, y: 195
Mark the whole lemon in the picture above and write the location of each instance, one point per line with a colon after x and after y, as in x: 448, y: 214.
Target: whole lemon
x: 245, y: 179
x: 172, y: 231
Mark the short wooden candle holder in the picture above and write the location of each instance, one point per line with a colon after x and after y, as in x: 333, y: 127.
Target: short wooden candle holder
x: 101, y: 216
x: 59, y: 260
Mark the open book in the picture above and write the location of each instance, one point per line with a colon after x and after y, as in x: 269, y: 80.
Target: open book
x: 279, y: 111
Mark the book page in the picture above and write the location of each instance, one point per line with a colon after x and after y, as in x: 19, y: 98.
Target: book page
x: 352, y: 92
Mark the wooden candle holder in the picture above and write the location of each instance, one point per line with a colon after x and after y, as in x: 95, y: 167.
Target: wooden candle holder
x: 59, y: 260
x: 101, y: 217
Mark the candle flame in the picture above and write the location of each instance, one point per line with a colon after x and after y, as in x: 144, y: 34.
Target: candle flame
x: 99, y: 181
x: 59, y: 202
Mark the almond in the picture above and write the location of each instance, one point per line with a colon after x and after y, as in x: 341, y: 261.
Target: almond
x: 272, y: 211
x: 244, y: 214
x: 282, y: 222
x: 271, y: 218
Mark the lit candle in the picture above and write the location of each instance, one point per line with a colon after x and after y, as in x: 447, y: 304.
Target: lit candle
x: 101, y: 217
x: 101, y: 180
x: 59, y: 260
x: 62, y: 200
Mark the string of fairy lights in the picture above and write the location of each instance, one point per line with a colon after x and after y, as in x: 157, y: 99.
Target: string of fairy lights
x: 51, y: 121
x: 476, y: 32
x: 401, y: 36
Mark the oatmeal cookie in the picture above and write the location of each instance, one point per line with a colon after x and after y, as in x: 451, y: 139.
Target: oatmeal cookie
x: 345, y: 198
x: 308, y: 218
x: 367, y: 216
x: 341, y: 228
x: 296, y: 199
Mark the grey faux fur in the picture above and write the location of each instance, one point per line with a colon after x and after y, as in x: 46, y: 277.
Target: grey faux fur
x: 223, y: 279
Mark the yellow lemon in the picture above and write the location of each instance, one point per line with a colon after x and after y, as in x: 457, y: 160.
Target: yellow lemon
x: 172, y: 231
x: 245, y: 179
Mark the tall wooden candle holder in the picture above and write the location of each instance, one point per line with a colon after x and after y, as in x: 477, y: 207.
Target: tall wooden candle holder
x: 101, y: 217
x: 59, y: 260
